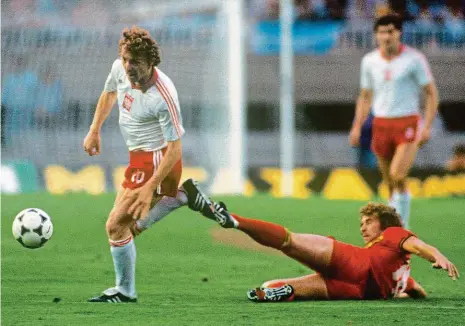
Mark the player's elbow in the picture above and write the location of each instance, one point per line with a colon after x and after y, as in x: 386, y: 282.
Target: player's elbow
x: 365, y: 95
x: 431, y: 94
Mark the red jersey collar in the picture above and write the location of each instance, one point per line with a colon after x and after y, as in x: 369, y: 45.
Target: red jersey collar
x: 375, y: 240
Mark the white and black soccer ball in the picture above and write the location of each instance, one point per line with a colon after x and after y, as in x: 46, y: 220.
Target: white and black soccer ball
x: 32, y: 228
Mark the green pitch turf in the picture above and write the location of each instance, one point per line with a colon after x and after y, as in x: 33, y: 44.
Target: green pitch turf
x: 184, y: 277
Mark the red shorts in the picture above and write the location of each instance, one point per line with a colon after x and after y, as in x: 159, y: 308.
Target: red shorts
x: 388, y: 133
x: 348, y: 274
x: 141, y: 167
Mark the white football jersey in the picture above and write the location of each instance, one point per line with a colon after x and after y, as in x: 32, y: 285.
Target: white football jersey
x: 396, y: 84
x: 147, y: 120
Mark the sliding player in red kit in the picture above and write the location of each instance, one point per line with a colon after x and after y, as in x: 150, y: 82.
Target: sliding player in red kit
x: 379, y: 270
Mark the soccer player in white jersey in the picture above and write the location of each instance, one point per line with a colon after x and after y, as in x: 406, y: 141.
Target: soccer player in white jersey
x: 151, y: 124
x: 395, y: 79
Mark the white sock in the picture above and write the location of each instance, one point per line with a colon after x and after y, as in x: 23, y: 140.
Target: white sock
x: 401, y: 202
x: 124, y: 259
x: 165, y: 206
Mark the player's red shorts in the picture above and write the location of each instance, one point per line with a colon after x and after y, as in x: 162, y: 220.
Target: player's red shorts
x: 141, y: 167
x: 388, y: 133
x: 348, y: 276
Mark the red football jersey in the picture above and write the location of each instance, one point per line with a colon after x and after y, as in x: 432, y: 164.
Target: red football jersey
x: 390, y: 263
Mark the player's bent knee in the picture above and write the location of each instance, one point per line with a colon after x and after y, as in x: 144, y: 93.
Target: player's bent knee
x: 112, y: 228
x: 397, y: 176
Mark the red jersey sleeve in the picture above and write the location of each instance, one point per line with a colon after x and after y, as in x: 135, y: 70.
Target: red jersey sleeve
x: 395, y: 236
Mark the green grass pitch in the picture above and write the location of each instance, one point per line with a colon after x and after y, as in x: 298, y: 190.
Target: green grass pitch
x: 184, y: 277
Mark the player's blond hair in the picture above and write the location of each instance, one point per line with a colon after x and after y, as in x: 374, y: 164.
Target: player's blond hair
x: 386, y: 215
x: 139, y: 43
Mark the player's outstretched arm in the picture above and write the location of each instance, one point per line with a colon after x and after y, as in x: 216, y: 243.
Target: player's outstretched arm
x: 430, y: 253
x: 105, y: 103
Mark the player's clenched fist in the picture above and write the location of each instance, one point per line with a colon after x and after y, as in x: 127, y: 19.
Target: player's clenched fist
x: 92, y: 143
x: 424, y: 136
x: 354, y: 137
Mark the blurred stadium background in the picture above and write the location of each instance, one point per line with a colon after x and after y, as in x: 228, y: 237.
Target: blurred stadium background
x: 57, y: 54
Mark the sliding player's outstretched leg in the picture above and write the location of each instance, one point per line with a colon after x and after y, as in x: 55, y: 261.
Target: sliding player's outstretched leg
x: 273, y: 293
x: 307, y: 287
x: 198, y: 201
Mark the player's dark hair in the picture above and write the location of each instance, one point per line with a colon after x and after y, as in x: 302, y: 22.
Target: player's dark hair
x: 459, y: 149
x: 387, y: 20
x: 139, y: 43
x: 386, y: 215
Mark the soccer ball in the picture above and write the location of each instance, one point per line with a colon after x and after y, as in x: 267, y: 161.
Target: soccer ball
x: 32, y: 228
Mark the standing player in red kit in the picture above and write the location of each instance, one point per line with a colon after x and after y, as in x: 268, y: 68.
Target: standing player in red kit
x: 379, y: 270
x: 151, y: 125
x: 394, y: 80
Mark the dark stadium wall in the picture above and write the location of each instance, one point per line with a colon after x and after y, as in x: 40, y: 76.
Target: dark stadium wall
x: 335, y: 116
x: 337, y: 183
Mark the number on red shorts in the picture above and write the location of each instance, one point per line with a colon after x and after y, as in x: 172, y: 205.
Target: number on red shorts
x: 138, y: 177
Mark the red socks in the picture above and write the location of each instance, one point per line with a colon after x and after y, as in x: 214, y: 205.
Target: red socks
x: 265, y: 233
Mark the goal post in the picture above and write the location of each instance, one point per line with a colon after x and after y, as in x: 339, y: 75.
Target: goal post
x: 287, y: 105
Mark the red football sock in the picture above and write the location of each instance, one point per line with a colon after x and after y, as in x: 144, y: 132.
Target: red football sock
x: 265, y: 233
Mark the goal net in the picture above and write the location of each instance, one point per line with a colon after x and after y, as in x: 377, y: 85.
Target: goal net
x: 52, y: 78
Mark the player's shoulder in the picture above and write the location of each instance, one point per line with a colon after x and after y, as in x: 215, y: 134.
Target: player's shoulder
x: 414, y: 53
x: 396, y: 231
x: 165, y: 85
x: 117, y: 64
x: 393, y: 229
x: 163, y: 78
x: 160, y: 93
x: 117, y: 68
x: 371, y: 57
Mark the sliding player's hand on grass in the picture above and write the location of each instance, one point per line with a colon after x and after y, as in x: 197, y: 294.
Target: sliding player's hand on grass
x: 141, y: 206
x: 443, y: 263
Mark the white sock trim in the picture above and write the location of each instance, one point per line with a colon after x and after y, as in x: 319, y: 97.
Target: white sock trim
x: 120, y: 243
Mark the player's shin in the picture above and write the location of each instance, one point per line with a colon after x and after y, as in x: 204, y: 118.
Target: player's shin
x: 124, y: 259
x: 164, y: 207
x: 401, y: 202
x: 266, y: 233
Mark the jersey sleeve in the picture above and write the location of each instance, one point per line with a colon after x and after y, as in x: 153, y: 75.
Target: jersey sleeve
x: 111, y: 82
x: 394, y: 237
x: 365, y: 76
x: 169, y: 117
x: 422, y: 71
